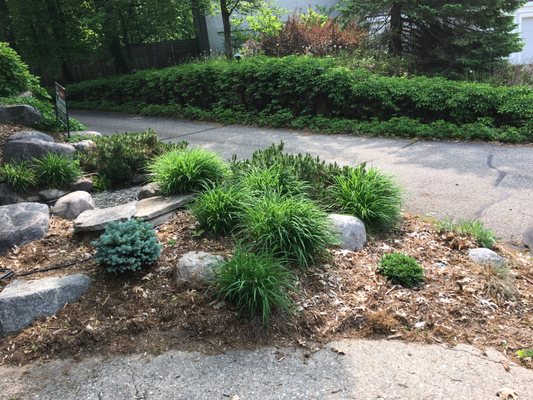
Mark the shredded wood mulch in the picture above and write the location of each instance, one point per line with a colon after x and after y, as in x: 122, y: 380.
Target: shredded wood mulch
x: 460, y: 302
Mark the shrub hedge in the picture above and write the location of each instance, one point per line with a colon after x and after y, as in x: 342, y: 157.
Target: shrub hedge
x: 303, y: 91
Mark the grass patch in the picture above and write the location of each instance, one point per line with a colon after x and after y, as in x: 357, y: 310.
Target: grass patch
x: 56, y: 171
x: 483, y: 236
x: 19, y: 175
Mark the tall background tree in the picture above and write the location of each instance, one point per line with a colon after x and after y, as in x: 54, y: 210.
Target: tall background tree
x: 445, y: 37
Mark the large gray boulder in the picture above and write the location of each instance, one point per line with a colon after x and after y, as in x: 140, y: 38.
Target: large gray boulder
x: 486, y: 256
x: 22, y: 223
x: 157, y: 210
x: 97, y: 219
x: 73, y: 204
x: 351, y: 231
x: 20, y: 114
x: 32, y: 135
x: 21, y: 302
x: 196, y: 268
x: 26, y: 149
x: 8, y: 196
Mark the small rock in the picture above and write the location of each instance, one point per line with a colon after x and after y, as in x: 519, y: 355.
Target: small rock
x: 84, y: 184
x: 351, y: 231
x: 22, y: 223
x: 83, y: 146
x: 153, y: 207
x: 51, y: 194
x: 97, y: 219
x: 33, y: 199
x: 149, y: 190
x: 196, y: 268
x: 23, y: 301
x: 86, y: 133
x: 21, y: 114
x: 486, y: 256
x: 8, y: 196
x: 73, y: 204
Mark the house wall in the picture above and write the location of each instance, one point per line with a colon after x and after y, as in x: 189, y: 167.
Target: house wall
x: 524, y: 20
x: 215, y: 29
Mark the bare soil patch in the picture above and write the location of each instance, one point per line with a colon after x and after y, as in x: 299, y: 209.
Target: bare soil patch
x: 461, y: 302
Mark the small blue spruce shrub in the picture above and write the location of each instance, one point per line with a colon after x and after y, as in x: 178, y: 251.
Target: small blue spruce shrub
x: 127, y: 246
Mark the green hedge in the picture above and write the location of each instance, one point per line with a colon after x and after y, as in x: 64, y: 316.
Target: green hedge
x: 297, y: 90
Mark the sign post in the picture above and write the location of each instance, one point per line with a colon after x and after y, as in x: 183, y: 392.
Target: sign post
x: 61, y: 107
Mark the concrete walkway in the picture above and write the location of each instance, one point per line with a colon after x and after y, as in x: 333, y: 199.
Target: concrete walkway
x: 460, y: 180
x: 345, y: 370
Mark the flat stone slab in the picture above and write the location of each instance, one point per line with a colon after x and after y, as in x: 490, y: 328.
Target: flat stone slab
x: 486, y: 256
x: 97, y: 219
x: 22, y: 223
x: 153, y: 207
x: 351, y: 231
x: 21, y: 302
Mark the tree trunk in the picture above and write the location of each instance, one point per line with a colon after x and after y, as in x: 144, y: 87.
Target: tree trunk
x: 395, y: 41
x: 227, y: 28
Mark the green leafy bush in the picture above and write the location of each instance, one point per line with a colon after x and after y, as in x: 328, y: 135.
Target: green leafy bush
x: 127, y: 246
x: 401, y: 269
x: 56, y: 171
x: 476, y: 229
x: 217, y: 209
x: 259, y: 180
x: 369, y: 195
x: 15, y: 77
x: 255, y: 284
x: 284, y: 90
x: 117, y: 158
x: 20, y: 176
x: 187, y: 170
x: 292, y: 228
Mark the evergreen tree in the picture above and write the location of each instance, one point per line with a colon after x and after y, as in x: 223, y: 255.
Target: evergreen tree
x: 437, y: 36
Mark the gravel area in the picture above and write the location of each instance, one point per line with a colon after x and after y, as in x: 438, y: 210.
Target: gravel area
x: 115, y: 197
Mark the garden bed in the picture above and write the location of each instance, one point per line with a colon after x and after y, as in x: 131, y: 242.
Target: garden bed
x: 460, y: 302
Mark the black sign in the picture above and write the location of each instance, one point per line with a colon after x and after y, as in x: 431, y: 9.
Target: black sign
x: 61, y: 107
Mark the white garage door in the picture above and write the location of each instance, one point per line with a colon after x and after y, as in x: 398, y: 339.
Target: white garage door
x: 527, y: 37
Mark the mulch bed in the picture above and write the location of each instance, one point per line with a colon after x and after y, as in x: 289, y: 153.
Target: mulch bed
x: 461, y: 302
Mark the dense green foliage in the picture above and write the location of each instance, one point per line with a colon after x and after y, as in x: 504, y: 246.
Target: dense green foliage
x: 291, y: 228
x: 369, y: 195
x: 217, y: 209
x: 483, y: 236
x: 276, y: 178
x: 15, y: 78
x: 187, y: 170
x: 117, y: 158
x: 440, y: 36
x: 20, y: 176
x: 255, y: 284
x: 127, y: 246
x: 56, y: 171
x: 305, y: 91
x: 401, y: 269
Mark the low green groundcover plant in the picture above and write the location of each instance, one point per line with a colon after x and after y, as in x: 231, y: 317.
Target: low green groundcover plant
x: 476, y: 229
x: 369, y: 195
x: 255, y: 284
x: 217, y: 209
x: 127, y: 246
x: 525, y: 354
x: 56, y: 170
x: 292, y: 228
x: 20, y: 176
x: 401, y: 269
x: 187, y: 170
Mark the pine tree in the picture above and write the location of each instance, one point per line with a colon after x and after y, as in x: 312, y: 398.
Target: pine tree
x: 444, y: 37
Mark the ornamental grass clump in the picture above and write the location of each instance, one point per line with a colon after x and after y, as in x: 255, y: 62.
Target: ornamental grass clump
x: 401, y: 269
x: 127, y: 246
x: 56, y: 170
x: 217, y: 209
x: 369, y: 195
x: 476, y: 229
x: 188, y: 170
x: 260, y: 180
x: 19, y: 175
x: 255, y: 284
x: 292, y: 228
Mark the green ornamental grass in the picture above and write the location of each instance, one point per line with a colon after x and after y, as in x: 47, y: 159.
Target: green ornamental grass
x: 187, y: 170
x: 369, y: 195
x: 401, y: 269
x: 255, y: 284
x: 276, y: 178
x: 476, y: 229
x: 19, y: 175
x: 292, y: 228
x: 56, y: 170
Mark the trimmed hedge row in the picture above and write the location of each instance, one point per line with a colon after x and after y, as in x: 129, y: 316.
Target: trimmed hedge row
x: 305, y: 87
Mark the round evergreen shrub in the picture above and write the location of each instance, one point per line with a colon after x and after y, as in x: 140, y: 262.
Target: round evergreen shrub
x: 20, y: 176
x: 127, y: 246
x: 217, y: 209
x: 187, y: 170
x: 401, y: 269
x: 255, y: 284
x: 292, y: 228
x: 56, y: 170
x: 369, y: 195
